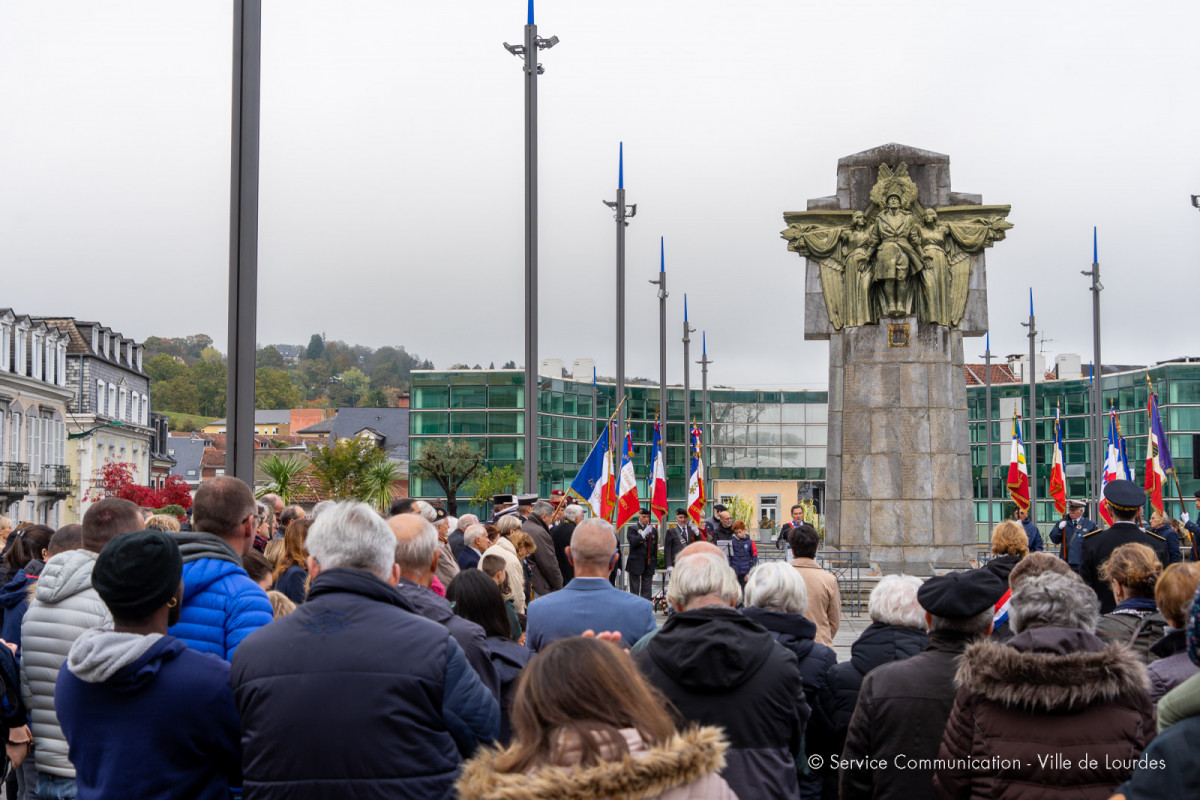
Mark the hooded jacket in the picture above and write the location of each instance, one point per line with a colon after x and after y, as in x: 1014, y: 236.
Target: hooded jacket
x: 147, y: 712
x: 880, y: 643
x: 221, y: 605
x: 355, y: 695
x: 1135, y: 622
x: 65, y: 605
x: 509, y: 658
x: 684, y: 768
x: 718, y: 667
x: 1173, y: 665
x: 470, y: 637
x: 1050, y: 690
x: 14, y: 600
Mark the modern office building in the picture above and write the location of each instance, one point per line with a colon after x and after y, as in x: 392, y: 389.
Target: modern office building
x: 769, y: 446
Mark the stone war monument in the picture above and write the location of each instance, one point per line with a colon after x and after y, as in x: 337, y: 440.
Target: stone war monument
x: 895, y: 279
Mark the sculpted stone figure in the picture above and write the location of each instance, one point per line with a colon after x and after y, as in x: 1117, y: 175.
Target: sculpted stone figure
x: 895, y: 258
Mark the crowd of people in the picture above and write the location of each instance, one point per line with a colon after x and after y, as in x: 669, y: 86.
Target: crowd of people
x: 263, y: 652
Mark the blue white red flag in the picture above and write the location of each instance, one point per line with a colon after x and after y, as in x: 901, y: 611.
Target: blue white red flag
x: 658, y: 476
x: 628, y: 504
x: 1158, y: 457
x: 1018, y: 469
x: 696, y: 479
x: 594, y: 484
x: 1058, y: 480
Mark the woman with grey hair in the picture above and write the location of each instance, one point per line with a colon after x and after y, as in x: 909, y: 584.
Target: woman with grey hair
x: 1054, y: 688
x: 776, y: 597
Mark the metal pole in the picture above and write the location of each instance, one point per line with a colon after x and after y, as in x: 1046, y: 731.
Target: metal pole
x: 704, y: 362
x: 243, y: 238
x: 528, y: 52
x: 987, y: 399
x: 1097, y: 376
x: 661, y: 283
x: 1033, y: 415
x: 687, y: 378
x: 622, y: 213
x: 595, y: 412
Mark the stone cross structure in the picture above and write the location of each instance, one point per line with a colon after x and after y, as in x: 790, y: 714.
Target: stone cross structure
x: 895, y: 278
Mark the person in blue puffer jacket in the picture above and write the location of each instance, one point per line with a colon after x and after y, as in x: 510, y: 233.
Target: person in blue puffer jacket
x: 743, y: 552
x: 221, y: 604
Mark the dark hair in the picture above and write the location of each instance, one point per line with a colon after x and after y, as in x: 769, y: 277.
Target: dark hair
x: 681, y: 512
x: 589, y: 690
x: 718, y: 508
x: 804, y: 540
x: 476, y: 597
x: 68, y: 537
x: 493, y: 565
x: 798, y: 505
x: 222, y: 504
x: 256, y: 565
x: 401, y: 505
x: 108, y: 518
x: 27, y: 545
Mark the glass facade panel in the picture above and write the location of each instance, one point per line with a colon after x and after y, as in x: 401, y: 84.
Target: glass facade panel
x: 468, y: 422
x: 428, y: 423
x: 431, y: 397
x: 506, y: 397
x: 505, y: 422
x: 505, y: 449
x: 1184, y: 391
x: 468, y: 397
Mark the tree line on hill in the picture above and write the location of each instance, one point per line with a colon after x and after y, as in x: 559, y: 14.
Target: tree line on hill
x: 188, y: 375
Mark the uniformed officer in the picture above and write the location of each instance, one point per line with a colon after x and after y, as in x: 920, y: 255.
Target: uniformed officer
x: 642, y: 559
x: 1125, y: 500
x: 525, y: 504
x: 1068, y: 533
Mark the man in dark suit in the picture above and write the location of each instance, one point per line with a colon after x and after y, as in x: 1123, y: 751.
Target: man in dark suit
x: 642, y: 557
x: 560, y: 534
x: 474, y: 538
x: 677, y: 537
x: 1125, y: 500
x: 788, y: 527
x: 1069, y: 530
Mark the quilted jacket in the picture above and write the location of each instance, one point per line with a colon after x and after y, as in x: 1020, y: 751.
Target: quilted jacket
x: 221, y: 605
x: 65, y: 605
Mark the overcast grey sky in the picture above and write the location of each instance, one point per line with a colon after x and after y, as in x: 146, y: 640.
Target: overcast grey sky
x: 392, y: 173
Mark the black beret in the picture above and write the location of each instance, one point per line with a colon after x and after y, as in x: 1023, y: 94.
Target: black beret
x: 644, y: 511
x: 1125, y: 495
x: 439, y: 514
x: 1198, y: 494
x: 137, y: 573
x: 961, y: 594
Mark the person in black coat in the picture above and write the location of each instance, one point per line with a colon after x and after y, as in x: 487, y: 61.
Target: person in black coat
x: 560, y: 534
x: 1125, y: 500
x: 896, y: 632
x: 1073, y: 525
x: 1009, y: 546
x: 903, y: 707
x: 718, y: 667
x: 304, y: 684
x: 641, y: 560
x: 776, y: 597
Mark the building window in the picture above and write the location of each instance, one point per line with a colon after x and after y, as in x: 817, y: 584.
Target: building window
x: 101, y: 394
x: 33, y: 444
x: 112, y: 400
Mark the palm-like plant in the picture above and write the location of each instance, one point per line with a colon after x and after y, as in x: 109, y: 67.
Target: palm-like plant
x: 375, y: 485
x: 284, y: 474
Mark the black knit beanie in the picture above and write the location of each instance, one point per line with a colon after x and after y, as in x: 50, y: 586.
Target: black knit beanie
x: 137, y: 573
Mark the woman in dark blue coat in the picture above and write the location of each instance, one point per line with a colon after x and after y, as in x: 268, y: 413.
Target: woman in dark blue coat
x: 475, y: 596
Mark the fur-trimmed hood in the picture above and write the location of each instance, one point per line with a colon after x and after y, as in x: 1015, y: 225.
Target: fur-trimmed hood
x: 691, y: 756
x: 1051, y: 669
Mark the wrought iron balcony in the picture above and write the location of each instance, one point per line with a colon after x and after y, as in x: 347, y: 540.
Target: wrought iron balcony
x: 55, y: 479
x: 14, y: 478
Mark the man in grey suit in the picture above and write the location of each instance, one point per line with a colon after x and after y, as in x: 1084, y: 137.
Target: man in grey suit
x: 589, y: 601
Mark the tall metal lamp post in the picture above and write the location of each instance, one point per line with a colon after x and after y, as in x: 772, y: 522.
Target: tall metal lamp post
x: 527, y: 52
x: 622, y: 214
x: 1098, y: 446
x: 661, y: 283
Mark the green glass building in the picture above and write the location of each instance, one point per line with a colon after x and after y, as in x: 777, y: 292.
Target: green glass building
x: 759, y: 438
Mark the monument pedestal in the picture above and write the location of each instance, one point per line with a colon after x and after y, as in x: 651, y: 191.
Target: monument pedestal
x: 898, y: 469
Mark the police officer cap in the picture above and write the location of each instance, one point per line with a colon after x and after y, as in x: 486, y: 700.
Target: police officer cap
x: 961, y: 594
x: 1198, y: 494
x: 1125, y: 495
x: 526, y: 499
x: 1077, y: 504
x: 502, y: 499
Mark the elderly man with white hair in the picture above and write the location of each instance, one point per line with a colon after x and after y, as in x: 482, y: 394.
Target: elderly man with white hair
x: 458, y: 528
x: 717, y: 667
x: 474, y: 542
x: 447, y: 564
x: 354, y: 689
x: 896, y: 632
